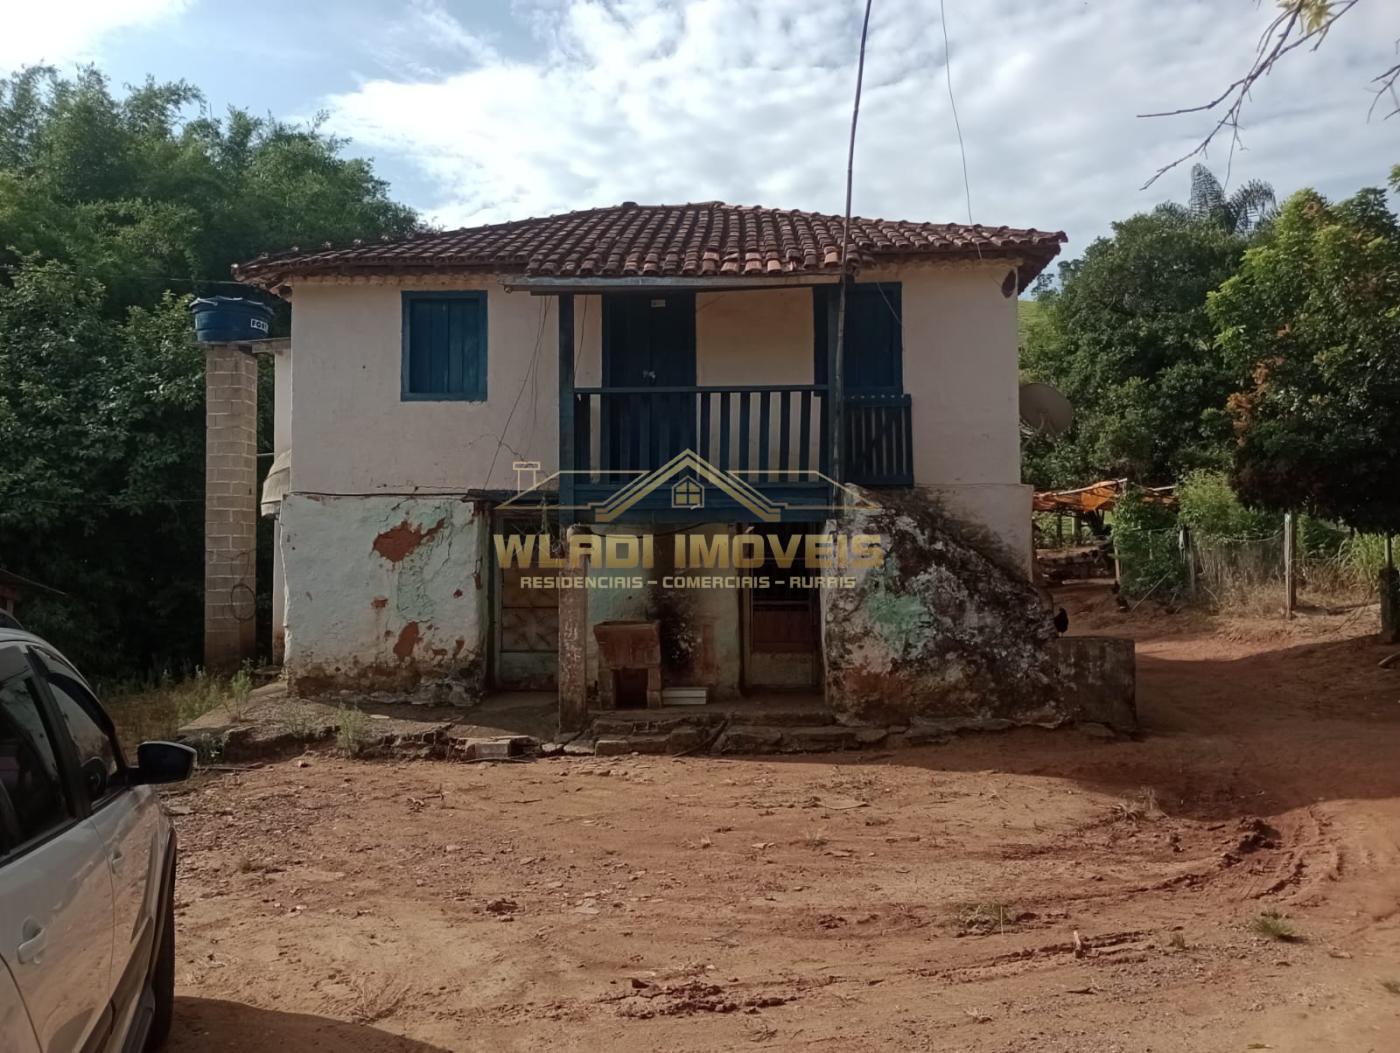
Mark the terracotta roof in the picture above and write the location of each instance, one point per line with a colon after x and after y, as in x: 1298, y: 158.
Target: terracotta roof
x: 704, y: 240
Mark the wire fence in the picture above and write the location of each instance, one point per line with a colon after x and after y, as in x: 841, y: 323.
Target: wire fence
x: 1333, y: 569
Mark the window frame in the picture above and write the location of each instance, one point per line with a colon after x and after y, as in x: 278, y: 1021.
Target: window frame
x: 407, y: 299
x: 74, y: 793
x: 49, y: 662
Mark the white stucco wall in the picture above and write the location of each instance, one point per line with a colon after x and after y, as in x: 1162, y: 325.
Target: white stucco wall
x: 351, y: 431
x: 281, y: 440
x: 760, y: 337
x: 961, y: 373
x: 384, y: 591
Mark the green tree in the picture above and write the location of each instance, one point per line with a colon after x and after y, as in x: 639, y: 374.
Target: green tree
x: 1127, y: 339
x: 1310, y: 328
x: 113, y: 210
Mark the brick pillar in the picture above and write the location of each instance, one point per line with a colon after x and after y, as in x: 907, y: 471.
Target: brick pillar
x: 230, y: 505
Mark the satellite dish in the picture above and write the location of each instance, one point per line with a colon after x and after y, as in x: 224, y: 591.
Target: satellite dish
x: 1045, y: 411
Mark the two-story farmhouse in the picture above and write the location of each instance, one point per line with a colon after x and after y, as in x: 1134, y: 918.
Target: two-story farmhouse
x: 644, y: 371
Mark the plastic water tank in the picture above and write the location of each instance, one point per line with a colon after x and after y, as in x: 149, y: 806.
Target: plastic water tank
x: 230, y: 319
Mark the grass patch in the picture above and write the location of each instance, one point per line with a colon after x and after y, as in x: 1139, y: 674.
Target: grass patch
x: 352, y: 735
x: 157, y: 707
x: 300, y: 722
x: 981, y: 919
x: 1274, y: 926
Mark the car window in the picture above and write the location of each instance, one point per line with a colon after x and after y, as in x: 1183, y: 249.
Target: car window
x: 97, y: 756
x: 34, y: 801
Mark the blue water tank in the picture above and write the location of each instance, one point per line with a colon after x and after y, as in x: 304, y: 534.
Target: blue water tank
x: 230, y: 319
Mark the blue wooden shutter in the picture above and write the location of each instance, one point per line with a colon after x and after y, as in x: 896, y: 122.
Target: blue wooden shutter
x: 444, y: 346
x: 874, y: 337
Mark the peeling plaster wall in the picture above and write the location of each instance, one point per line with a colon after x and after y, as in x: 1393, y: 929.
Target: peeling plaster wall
x: 386, y: 593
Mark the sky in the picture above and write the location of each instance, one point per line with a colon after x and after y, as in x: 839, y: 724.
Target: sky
x: 485, y: 110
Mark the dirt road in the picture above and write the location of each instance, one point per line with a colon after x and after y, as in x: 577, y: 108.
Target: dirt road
x: 1035, y: 890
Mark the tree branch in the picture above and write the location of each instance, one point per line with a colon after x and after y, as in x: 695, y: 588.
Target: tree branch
x: 1288, y: 31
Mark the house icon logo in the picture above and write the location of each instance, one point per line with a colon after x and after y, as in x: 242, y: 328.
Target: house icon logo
x: 687, y: 493
x: 686, y: 473
x: 693, y: 484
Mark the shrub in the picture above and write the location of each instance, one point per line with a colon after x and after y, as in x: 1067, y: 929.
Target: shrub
x: 1144, y: 536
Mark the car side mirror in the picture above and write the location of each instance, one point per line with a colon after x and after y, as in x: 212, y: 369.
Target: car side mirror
x: 158, y: 762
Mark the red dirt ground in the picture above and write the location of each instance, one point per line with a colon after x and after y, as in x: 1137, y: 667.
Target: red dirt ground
x: 1034, y: 890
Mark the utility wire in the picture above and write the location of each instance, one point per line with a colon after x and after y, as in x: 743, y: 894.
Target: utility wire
x: 836, y: 369
x: 953, y: 103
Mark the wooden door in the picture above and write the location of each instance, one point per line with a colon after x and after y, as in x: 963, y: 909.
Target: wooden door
x: 527, y: 626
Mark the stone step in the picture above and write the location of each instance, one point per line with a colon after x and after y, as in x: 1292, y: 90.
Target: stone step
x: 786, y: 718
x: 650, y: 722
x: 657, y: 721
x: 809, y: 738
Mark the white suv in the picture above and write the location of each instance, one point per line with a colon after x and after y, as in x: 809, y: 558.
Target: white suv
x: 87, y: 866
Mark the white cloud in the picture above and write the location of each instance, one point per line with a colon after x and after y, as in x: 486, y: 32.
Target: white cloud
x: 65, y: 31
x: 750, y: 102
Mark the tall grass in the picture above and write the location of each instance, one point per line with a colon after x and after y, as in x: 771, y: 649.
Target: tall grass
x: 157, y: 706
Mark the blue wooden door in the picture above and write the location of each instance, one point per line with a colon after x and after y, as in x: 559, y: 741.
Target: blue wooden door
x: 648, y: 342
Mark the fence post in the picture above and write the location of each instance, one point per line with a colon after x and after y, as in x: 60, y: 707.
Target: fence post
x: 1390, y: 596
x: 1188, y: 558
x: 1290, y: 561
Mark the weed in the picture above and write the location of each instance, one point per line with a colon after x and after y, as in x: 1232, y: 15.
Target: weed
x: 352, y: 734
x: 300, y: 723
x: 1138, y: 807
x: 1393, y: 986
x: 812, y: 839
x: 1177, y: 942
x: 983, y: 918
x: 1274, y: 926
x: 374, y: 998
x: 240, y: 688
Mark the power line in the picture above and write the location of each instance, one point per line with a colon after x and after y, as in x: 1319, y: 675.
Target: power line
x: 953, y: 103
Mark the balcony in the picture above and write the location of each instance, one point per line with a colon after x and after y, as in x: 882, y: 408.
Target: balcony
x: 773, y: 437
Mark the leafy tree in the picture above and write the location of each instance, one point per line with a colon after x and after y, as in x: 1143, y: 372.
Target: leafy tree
x: 1310, y: 328
x: 132, y: 193
x: 1127, y: 339
x: 113, y: 210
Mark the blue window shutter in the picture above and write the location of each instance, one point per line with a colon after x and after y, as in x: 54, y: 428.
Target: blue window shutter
x: 874, y: 361
x: 444, y: 346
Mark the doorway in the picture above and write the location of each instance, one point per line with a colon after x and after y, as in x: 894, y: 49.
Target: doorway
x: 526, y: 639
x: 782, y: 623
x: 648, y: 342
